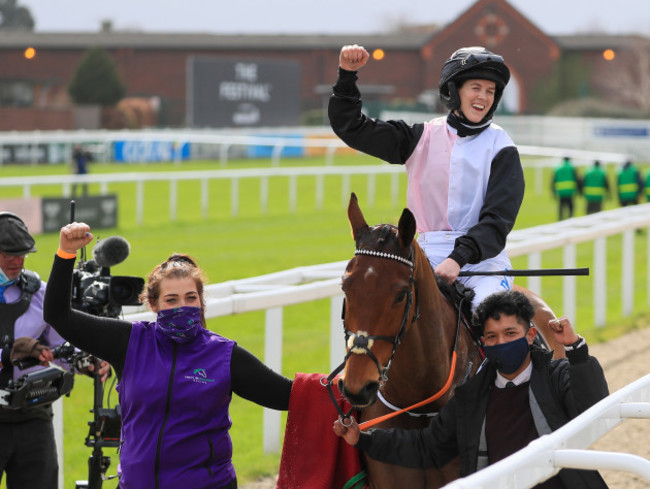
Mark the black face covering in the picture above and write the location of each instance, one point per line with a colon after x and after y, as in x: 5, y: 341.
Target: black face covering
x: 465, y: 127
x: 508, y: 357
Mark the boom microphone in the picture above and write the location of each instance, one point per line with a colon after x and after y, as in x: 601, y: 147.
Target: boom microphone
x: 111, y: 251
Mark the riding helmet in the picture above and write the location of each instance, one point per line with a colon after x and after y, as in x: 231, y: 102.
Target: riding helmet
x: 468, y: 63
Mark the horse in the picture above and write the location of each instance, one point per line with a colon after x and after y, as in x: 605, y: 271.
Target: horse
x: 405, y: 340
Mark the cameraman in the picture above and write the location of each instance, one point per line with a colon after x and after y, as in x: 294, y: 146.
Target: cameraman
x: 27, y: 448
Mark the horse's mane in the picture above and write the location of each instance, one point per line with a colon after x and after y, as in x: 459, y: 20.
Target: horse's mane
x: 384, y: 232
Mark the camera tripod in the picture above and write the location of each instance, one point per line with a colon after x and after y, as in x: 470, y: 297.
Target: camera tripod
x: 104, y: 431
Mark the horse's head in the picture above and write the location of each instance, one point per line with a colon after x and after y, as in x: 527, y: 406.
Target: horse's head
x: 380, y: 301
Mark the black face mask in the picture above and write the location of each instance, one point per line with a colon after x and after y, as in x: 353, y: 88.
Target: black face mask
x: 508, y: 357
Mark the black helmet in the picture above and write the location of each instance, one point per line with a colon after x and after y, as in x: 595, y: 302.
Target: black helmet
x: 14, y: 236
x: 472, y: 62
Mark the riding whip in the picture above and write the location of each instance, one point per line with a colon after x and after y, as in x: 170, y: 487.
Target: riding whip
x: 528, y: 272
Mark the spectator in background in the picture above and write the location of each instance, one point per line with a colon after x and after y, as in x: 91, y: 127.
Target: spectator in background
x: 565, y: 186
x: 80, y: 159
x: 629, y: 184
x: 595, y: 187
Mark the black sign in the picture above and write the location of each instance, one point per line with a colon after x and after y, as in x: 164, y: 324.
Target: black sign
x: 24, y: 153
x: 231, y: 93
x: 99, y: 212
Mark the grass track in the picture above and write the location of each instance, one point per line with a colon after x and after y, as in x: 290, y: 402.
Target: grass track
x: 253, y: 244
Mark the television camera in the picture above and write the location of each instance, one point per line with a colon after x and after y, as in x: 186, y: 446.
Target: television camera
x: 45, y: 385
x: 95, y: 291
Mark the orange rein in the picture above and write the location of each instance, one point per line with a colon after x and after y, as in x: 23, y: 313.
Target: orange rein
x: 372, y: 422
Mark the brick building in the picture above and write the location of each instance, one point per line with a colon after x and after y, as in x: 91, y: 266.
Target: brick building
x: 33, y: 92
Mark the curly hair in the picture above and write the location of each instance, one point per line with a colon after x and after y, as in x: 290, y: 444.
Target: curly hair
x: 178, y: 265
x: 510, y: 303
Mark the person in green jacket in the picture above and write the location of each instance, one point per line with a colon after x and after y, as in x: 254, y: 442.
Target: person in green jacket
x: 565, y: 186
x: 629, y: 184
x: 595, y: 187
x: 647, y: 187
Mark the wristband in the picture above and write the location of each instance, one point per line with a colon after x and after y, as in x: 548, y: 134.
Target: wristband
x: 574, y: 346
x: 64, y: 254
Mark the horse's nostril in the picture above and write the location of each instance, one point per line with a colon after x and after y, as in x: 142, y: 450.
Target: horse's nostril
x: 365, y: 397
x: 370, y: 391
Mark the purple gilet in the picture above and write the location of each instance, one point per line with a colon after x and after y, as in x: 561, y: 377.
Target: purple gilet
x: 175, y: 420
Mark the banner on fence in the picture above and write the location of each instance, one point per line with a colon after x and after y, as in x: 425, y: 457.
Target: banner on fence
x: 150, y: 151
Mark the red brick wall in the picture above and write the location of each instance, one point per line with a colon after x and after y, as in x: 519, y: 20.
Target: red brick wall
x: 28, y: 119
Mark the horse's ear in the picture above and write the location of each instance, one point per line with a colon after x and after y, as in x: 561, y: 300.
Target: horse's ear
x: 406, y: 228
x: 357, y: 221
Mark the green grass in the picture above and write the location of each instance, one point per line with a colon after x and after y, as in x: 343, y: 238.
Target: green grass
x: 252, y: 244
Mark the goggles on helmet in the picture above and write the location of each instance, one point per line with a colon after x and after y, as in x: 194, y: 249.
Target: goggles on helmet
x: 478, y: 58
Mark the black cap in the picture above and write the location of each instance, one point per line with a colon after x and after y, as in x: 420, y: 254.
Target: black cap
x: 14, y: 236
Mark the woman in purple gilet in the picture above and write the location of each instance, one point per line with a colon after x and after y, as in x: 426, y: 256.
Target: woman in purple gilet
x: 176, y: 378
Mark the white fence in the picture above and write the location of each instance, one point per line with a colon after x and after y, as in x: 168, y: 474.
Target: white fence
x: 221, y: 143
x: 274, y: 291
x: 567, y: 447
x: 264, y: 174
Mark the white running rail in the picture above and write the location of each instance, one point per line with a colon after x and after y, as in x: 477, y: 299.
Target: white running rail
x: 568, y: 446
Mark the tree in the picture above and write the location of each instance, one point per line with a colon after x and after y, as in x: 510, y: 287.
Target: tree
x: 96, y: 80
x: 625, y: 79
x: 14, y: 17
x: 569, y: 80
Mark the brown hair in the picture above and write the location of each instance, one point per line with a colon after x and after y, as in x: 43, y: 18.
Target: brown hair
x: 178, y: 265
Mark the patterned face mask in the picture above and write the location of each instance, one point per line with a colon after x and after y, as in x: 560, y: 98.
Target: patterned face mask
x: 508, y: 357
x: 181, y: 324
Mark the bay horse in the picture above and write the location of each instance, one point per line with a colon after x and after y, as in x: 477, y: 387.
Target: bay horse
x: 405, y: 341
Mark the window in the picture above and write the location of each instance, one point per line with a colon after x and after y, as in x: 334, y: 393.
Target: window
x: 15, y: 93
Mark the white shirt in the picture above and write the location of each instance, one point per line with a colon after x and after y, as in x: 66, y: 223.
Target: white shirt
x: 524, y: 376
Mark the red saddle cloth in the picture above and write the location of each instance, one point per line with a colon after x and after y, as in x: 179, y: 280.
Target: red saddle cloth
x: 313, y: 457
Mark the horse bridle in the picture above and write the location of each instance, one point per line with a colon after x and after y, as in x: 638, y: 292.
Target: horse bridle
x: 361, y: 342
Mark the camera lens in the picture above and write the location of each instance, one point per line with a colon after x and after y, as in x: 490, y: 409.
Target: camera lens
x: 125, y: 290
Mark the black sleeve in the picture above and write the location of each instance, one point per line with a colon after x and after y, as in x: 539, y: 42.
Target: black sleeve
x: 585, y: 384
x: 391, y: 141
x: 433, y: 446
x: 105, y: 338
x: 254, y: 381
x: 505, y: 193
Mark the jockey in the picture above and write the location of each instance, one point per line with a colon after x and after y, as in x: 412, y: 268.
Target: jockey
x: 465, y: 180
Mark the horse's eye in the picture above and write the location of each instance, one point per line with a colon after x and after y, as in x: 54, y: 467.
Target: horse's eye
x: 400, y: 297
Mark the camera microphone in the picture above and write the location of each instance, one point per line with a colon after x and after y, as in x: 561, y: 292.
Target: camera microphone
x: 111, y: 251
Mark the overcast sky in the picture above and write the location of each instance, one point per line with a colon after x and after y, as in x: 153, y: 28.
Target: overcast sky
x: 324, y: 16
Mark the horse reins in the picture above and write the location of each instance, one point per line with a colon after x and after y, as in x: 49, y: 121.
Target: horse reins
x: 361, y: 343
x: 443, y: 390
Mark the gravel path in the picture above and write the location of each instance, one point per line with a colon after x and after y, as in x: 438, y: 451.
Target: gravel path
x: 624, y: 360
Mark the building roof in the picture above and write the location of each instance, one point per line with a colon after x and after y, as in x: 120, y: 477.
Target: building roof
x: 588, y: 42
x: 128, y: 39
